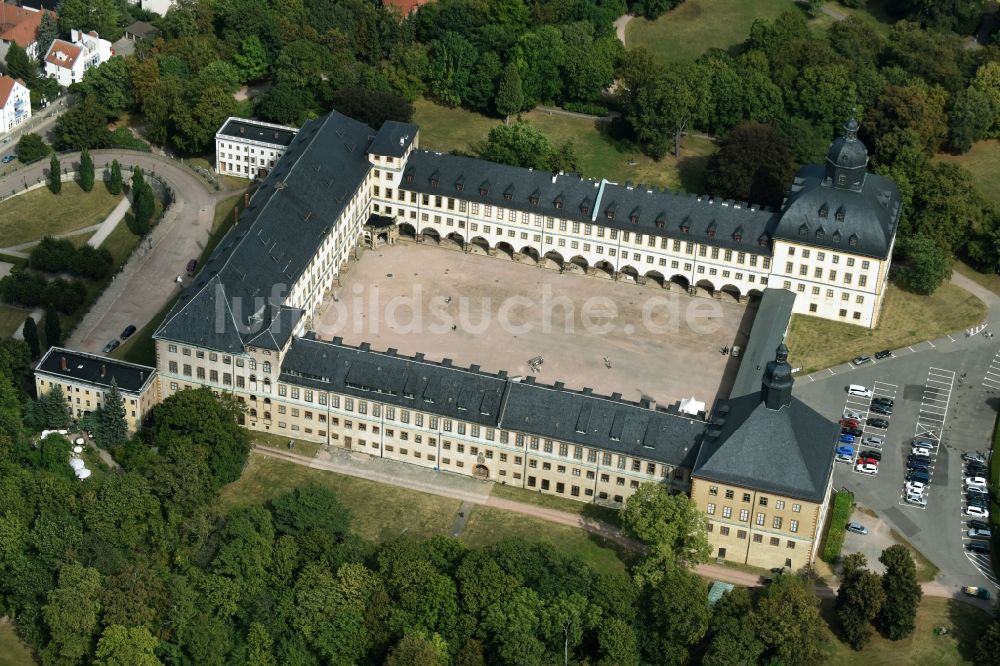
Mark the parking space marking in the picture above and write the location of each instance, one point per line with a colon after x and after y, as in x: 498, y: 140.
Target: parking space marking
x: 930, y: 418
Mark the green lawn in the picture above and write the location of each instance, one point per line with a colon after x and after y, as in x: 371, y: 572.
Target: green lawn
x: 456, y: 129
x: 34, y: 215
x: 696, y: 26
x: 13, y: 652
x: 487, y: 526
x: 280, y: 442
x: 989, y: 281
x: 963, y: 621
x: 11, y: 319
x: 983, y: 162
x: 815, y: 343
x: 379, y: 511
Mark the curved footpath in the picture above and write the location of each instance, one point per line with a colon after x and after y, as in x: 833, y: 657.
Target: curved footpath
x: 146, y: 283
x: 479, y: 492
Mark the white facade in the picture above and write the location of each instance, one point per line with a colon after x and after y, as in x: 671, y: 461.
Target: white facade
x: 250, y: 148
x: 66, y: 62
x: 15, y: 104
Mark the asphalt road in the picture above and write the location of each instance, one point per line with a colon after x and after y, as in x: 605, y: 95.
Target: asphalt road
x: 942, y: 387
x: 146, y: 283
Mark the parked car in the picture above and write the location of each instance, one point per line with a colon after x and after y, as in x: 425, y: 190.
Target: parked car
x: 982, y: 547
x: 978, y: 501
x: 191, y: 265
x: 975, y: 471
x: 925, y: 443
x: 874, y: 440
x: 857, y: 432
x: 976, y: 511
x: 980, y: 592
x: 879, y: 408
x: 882, y: 400
x: 913, y: 457
x: 111, y: 346
x: 849, y: 423
x: 851, y: 414
x: 974, y: 457
x: 918, y: 465
x: 7, y: 159
x: 867, y: 468
x: 861, y: 360
x: 876, y: 422
x: 859, y: 391
x: 975, y: 492
x: 846, y: 439
x: 877, y: 455
x: 918, y: 475
x: 885, y: 353
x: 845, y: 450
x: 844, y: 458
x: 915, y: 487
x: 127, y: 333
x: 916, y: 500
x: 975, y: 481
x: 975, y: 533
x: 917, y: 451
x: 866, y: 461
x: 857, y: 528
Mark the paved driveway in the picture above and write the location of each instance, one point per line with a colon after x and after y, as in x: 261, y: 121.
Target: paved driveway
x: 146, y: 283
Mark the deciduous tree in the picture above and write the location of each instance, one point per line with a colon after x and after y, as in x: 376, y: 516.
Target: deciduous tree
x: 789, y: 623
x: 673, y: 522
x: 897, y: 617
x: 753, y: 164
x: 19, y: 65
x: 127, y: 646
x: 71, y: 614
x: 859, y: 600
x: 31, y: 148
x: 100, y: 15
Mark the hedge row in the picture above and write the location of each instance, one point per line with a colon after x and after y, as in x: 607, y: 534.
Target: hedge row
x: 843, y: 504
x: 31, y: 290
x: 55, y: 255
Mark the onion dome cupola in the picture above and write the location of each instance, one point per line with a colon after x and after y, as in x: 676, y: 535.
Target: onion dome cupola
x: 847, y: 160
x: 776, y: 389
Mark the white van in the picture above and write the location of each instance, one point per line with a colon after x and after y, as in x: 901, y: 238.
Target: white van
x: 860, y: 391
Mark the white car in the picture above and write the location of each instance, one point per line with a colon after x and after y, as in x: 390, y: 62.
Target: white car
x: 915, y: 488
x: 920, y: 451
x: 975, y: 481
x: 859, y: 391
x: 851, y: 414
x: 979, y: 534
x: 866, y: 468
x: 977, y: 511
x: 916, y: 500
x: 844, y: 458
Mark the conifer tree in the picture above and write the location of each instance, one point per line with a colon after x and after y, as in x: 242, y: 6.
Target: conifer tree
x: 55, y: 176
x: 86, y: 171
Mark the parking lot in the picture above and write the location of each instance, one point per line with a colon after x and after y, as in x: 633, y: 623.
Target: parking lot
x: 944, y: 395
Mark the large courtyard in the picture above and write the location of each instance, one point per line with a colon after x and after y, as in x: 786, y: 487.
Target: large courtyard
x: 614, y: 337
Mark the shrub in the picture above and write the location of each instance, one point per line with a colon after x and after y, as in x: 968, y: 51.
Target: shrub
x: 840, y: 513
x: 61, y: 256
x: 588, y: 108
x: 31, y: 148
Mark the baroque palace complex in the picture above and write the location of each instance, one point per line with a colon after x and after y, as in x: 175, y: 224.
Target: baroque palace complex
x: 244, y: 325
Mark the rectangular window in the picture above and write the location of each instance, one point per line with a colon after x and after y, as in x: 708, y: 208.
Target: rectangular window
x: 710, y: 509
x: 779, y: 504
x: 776, y: 523
x: 793, y: 525
x: 744, y: 515
x: 727, y: 512
x: 760, y: 519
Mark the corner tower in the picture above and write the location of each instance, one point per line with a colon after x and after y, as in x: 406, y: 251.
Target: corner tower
x: 847, y: 160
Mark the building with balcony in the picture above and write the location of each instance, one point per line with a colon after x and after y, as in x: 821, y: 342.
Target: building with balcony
x: 66, y: 62
x: 15, y: 103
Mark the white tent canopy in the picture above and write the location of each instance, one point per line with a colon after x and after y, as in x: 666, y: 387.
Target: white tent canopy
x: 692, y: 406
x: 76, y: 463
x: 82, y: 473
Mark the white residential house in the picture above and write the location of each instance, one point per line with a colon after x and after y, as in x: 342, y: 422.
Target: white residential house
x: 15, y: 103
x: 157, y: 6
x: 250, y: 148
x: 66, y: 62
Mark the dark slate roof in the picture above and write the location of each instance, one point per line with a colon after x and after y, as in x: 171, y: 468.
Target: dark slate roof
x: 869, y: 215
x: 410, y: 383
x: 240, y: 291
x: 242, y: 129
x: 141, y: 29
x: 393, y: 138
x: 601, y: 422
x: 699, y: 219
x: 492, y: 400
x: 769, y: 326
x: 787, y: 451
x: 83, y: 367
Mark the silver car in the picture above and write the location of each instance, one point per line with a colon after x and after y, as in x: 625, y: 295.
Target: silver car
x: 916, y: 500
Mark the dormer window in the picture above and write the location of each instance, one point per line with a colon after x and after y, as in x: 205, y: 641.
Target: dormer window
x: 409, y: 177
x: 841, y: 179
x: 820, y: 234
x: 824, y: 211
x: 853, y: 240
x: 685, y: 227
x: 585, y: 207
x: 762, y: 240
x: 483, y: 191
x: 533, y: 199
x: 557, y: 203
x: 738, y: 237
x: 633, y: 218
x: 841, y: 213
x: 459, y: 185
x: 661, y: 222
x: 836, y: 237
x: 711, y: 229
x: 434, y: 181
x: 508, y: 195
x: 610, y: 214
x: 803, y: 231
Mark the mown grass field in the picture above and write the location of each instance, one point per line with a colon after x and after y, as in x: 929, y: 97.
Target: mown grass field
x: 983, y: 162
x: 989, y: 281
x: 11, y: 319
x: 963, y: 622
x: 602, y: 513
x: 815, y: 343
x: 39, y: 213
x: 600, y: 156
x: 13, y: 652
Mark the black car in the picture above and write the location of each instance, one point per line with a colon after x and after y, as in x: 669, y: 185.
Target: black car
x: 917, y: 457
x: 978, y: 547
x: 885, y: 353
x: 918, y: 475
x: 878, y: 423
x: 918, y: 464
x: 111, y: 346
x: 856, y: 432
x: 978, y: 525
x: 879, y: 408
x: 127, y: 333
x: 975, y: 471
x: 977, y: 500
x: 877, y: 455
x: 882, y: 400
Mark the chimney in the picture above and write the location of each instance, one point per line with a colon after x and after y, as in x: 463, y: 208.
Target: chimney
x: 142, y: 376
x: 62, y: 363
x: 652, y: 404
x: 104, y: 370
x: 242, y: 130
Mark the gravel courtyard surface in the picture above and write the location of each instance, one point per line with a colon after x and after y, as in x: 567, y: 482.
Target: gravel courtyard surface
x: 614, y: 337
